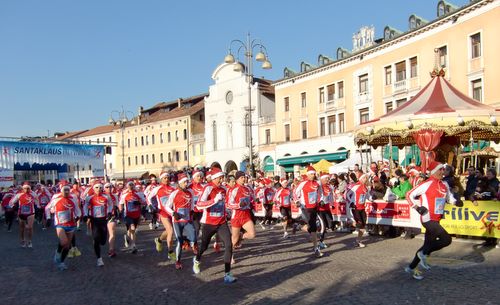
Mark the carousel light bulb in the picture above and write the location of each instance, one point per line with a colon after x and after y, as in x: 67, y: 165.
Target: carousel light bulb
x: 493, y: 120
x: 369, y: 129
x: 409, y: 124
x: 460, y: 120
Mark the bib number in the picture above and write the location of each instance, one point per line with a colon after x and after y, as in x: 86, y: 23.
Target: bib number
x: 132, y: 206
x: 164, y: 201
x: 439, y: 206
x: 98, y: 211
x: 184, y: 212
x: 64, y: 216
x: 25, y: 209
x: 245, y: 203
x: 217, y: 210
x: 313, y: 197
x: 286, y: 201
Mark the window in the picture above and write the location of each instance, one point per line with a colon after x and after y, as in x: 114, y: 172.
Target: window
x: 477, y: 90
x: 443, y: 54
x: 388, y: 75
x: 136, y: 160
x: 341, y: 123
x: 153, y: 158
x: 147, y: 159
x: 142, y: 160
x: 176, y: 135
x: 128, y: 143
x: 322, y: 127
x: 287, y: 104
x: 268, y: 136
x: 214, y: 134
x: 109, y: 139
x: 147, y: 140
x: 363, y: 84
x: 401, y: 71
x: 169, y: 138
x: 169, y: 157
x: 110, y: 165
x: 364, y: 115
x: 321, y: 95
x: 97, y: 140
x: 341, y: 89
x: 332, y: 124
x: 304, y: 129
x: 303, y: 99
x: 413, y: 67
x: 161, y: 138
x: 161, y: 157
x: 153, y: 139
x: 142, y: 141
x: 330, y: 90
x: 400, y: 102
x: 185, y: 134
x: 128, y: 161
x: 185, y: 155
x: 475, y: 44
x: 177, y: 156
x: 287, y: 132
x: 388, y: 107
x: 135, y: 140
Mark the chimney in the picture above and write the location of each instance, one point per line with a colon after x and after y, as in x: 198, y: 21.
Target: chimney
x: 179, y: 101
x: 140, y: 110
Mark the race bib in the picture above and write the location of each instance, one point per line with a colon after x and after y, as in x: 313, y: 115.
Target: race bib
x: 25, y: 209
x: 217, y: 210
x: 245, y: 203
x: 132, y: 207
x: 164, y: 201
x: 64, y: 216
x: 439, y: 206
x: 362, y: 198
x: 98, y: 211
x: 286, y: 201
x: 270, y: 197
x: 313, y: 197
x: 184, y: 212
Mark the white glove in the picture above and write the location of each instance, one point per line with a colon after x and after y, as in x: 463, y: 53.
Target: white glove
x: 218, y: 197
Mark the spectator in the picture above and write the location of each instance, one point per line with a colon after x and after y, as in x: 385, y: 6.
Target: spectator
x: 471, y: 184
x: 403, y: 187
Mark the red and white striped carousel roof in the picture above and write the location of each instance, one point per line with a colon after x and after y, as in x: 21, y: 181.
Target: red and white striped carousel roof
x: 438, y: 98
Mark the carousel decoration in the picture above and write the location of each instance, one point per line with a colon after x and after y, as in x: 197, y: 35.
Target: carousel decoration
x: 439, y: 114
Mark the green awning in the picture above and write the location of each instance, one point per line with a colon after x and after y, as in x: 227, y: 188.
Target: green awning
x: 306, y: 159
x: 477, y: 146
x: 268, y: 164
x: 412, y: 156
x: 269, y: 168
x: 395, y: 153
x: 288, y: 168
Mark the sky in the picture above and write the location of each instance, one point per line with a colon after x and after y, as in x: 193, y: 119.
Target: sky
x: 66, y: 65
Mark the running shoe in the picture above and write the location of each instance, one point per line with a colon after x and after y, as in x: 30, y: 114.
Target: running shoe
x: 151, y: 226
x: 100, y: 263
x: 172, y: 256
x: 285, y: 235
x: 262, y: 226
x: 111, y: 254
x: 178, y: 265
x: 125, y: 240
x: 134, y: 250
x: 196, y: 266
x: 62, y: 266
x: 229, y: 278
x: 29, y: 245
x: 360, y: 244
x: 71, y: 253
x: 322, y: 245
x: 317, y: 252
x: 159, y: 245
x: 415, y: 273
x: 76, y: 252
x: 23, y: 244
x: 423, y: 260
x: 157, y: 225
x: 57, y: 258
x: 217, y: 247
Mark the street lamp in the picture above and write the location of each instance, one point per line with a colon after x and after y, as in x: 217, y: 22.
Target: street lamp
x: 120, y: 118
x: 248, y: 47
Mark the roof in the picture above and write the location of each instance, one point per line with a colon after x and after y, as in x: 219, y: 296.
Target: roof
x: 161, y: 105
x: 98, y: 130
x: 70, y: 134
x: 265, y: 86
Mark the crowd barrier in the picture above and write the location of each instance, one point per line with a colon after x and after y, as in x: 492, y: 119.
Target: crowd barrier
x: 481, y: 220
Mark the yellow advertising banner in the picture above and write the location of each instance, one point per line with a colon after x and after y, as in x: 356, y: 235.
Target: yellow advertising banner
x: 481, y: 220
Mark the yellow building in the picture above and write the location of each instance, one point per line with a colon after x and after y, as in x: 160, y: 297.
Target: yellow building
x: 317, y: 107
x: 169, y: 135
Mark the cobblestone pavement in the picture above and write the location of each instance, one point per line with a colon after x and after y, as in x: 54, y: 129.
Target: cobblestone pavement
x: 269, y: 270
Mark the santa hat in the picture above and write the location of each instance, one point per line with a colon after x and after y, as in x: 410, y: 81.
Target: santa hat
x: 323, y: 175
x: 197, y: 172
x: 267, y: 181
x: 413, y: 172
x: 164, y: 174
x: 26, y: 185
x: 311, y: 170
x: 182, y: 177
x: 434, y: 166
x: 216, y: 173
x: 209, y: 174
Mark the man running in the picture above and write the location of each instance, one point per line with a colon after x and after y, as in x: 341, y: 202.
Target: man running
x: 153, y: 205
x: 27, y: 200
x: 308, y: 195
x: 283, y: 198
x: 324, y: 208
x: 66, y: 213
x: 428, y: 199
x: 196, y: 188
x: 98, y: 207
x: 130, y: 203
x: 180, y: 206
x: 162, y: 193
x: 240, y: 202
x: 213, y: 221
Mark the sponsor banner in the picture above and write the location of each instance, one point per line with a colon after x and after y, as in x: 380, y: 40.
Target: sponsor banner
x: 6, y: 177
x: 397, y: 213
x: 481, y: 220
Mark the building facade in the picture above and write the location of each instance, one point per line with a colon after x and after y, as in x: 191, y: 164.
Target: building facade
x: 227, y: 132
x: 318, y: 107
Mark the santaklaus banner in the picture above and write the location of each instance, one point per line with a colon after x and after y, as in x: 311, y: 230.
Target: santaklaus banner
x: 45, y: 153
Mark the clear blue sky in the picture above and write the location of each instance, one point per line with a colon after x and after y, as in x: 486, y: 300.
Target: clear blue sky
x: 65, y: 65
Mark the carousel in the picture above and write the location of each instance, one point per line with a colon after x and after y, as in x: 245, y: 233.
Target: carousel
x: 440, y: 120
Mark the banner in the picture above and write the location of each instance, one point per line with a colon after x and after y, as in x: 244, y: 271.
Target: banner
x: 480, y: 220
x: 6, y: 177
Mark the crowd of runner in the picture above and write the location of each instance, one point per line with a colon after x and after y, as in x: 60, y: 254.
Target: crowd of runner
x: 199, y: 206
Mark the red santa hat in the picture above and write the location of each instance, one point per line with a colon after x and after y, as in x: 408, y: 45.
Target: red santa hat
x: 413, y: 172
x: 311, y: 170
x: 26, y: 184
x: 267, y: 181
x: 182, y: 177
x: 216, y: 173
x: 323, y: 175
x: 434, y: 166
x: 164, y: 174
x: 197, y: 172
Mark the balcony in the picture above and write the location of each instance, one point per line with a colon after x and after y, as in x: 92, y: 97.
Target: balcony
x: 200, y: 137
x: 400, y: 86
x: 267, y: 119
x: 475, y: 65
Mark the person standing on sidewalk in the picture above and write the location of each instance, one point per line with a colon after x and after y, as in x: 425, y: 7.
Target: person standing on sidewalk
x: 428, y: 199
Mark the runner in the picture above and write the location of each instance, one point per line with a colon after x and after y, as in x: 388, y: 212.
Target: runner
x: 44, y: 197
x: 240, y: 202
x: 180, y: 206
x: 27, y: 200
x: 153, y: 206
x: 130, y: 202
x: 308, y: 195
x: 283, y: 198
x: 196, y: 188
x: 162, y: 193
x: 108, y: 190
x: 324, y: 208
x: 214, y: 221
x: 66, y: 213
x: 99, y: 208
x: 428, y: 199
x: 10, y: 213
x: 356, y: 198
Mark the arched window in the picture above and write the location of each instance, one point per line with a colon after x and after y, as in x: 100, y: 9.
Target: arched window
x: 147, y: 159
x: 177, y: 156
x: 161, y: 138
x: 161, y: 157
x: 322, y: 151
x: 128, y: 161
x: 412, y: 23
x: 169, y: 137
x: 214, y: 134
x: 136, y: 160
x: 142, y: 160
x: 153, y: 139
x: 142, y: 141
x: 304, y: 153
x: 177, y: 135
x: 169, y: 157
x: 185, y: 134
x: 185, y: 155
x: 441, y: 9
x: 153, y: 158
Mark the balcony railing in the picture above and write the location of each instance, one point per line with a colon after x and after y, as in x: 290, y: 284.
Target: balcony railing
x: 197, y: 137
x: 400, y: 86
x: 267, y: 119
